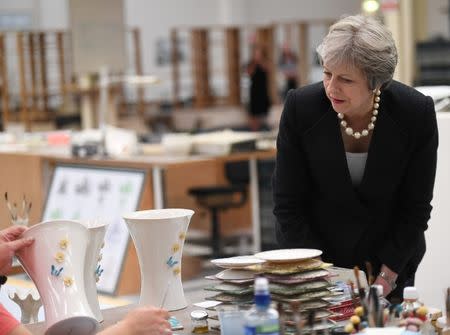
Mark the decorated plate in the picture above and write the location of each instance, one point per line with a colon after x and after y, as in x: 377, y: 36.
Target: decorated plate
x: 298, y: 278
x: 235, y: 275
x: 237, y: 262
x: 288, y: 255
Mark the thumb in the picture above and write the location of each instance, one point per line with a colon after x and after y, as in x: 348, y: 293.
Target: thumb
x: 20, y: 243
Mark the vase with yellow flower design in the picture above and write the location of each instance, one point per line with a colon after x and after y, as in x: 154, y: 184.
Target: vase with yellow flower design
x: 56, y: 264
x: 158, y: 236
x: 93, y: 268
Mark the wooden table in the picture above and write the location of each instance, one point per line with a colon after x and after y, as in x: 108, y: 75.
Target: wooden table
x: 113, y: 315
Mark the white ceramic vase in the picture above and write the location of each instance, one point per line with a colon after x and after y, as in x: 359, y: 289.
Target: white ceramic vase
x: 29, y: 302
x: 56, y: 264
x: 92, y: 266
x: 158, y: 236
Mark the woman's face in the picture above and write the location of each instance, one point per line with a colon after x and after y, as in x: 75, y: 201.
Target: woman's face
x: 347, y: 89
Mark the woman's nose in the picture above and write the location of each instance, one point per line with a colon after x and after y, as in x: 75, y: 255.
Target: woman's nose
x: 332, y: 85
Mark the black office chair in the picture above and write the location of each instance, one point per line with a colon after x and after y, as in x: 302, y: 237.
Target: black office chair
x: 223, y: 197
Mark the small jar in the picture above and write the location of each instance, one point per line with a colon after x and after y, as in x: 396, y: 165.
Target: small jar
x: 199, y: 321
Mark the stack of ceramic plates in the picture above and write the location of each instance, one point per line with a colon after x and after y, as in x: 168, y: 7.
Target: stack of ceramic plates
x: 295, y: 275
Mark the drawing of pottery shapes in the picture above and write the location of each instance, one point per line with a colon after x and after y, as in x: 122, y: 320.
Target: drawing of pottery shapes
x: 92, y: 268
x: 56, y: 264
x: 155, y: 234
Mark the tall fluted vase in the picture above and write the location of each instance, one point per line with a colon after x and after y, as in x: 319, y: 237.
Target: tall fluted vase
x: 158, y: 236
x: 93, y: 269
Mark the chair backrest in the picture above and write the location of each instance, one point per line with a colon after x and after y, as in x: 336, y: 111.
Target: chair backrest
x: 237, y: 173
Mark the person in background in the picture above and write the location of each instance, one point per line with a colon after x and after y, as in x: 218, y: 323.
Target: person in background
x: 142, y: 320
x: 259, y: 100
x: 356, y: 159
x: 288, y: 65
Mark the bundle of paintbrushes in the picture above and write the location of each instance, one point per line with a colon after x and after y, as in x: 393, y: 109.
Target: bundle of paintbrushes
x: 19, y: 215
x: 374, y: 311
x: 301, y: 287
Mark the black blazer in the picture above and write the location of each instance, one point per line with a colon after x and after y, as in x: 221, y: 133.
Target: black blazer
x: 384, y: 219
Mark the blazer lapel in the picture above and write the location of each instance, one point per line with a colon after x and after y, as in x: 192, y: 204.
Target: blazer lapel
x: 386, y: 158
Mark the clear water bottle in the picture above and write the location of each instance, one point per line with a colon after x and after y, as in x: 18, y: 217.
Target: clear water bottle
x: 410, y: 300
x: 262, y: 319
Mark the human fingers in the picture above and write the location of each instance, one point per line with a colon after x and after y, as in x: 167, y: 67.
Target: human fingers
x: 158, y: 311
x: 5, y: 267
x: 163, y: 330
x: 164, y: 313
x: 12, y: 232
x: 20, y: 243
x: 166, y: 324
x: 6, y: 255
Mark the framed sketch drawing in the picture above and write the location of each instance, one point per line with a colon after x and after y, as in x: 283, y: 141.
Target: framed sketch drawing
x: 84, y: 192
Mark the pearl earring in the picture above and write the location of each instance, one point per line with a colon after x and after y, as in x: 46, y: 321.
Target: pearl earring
x: 357, y: 135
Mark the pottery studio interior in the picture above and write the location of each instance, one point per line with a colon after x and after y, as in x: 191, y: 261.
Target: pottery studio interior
x: 224, y: 167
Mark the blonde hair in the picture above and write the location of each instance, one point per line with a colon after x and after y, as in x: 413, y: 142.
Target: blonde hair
x: 363, y: 42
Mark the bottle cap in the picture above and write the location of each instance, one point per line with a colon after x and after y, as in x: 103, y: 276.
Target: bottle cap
x: 199, y: 315
x: 410, y: 293
x: 261, y: 284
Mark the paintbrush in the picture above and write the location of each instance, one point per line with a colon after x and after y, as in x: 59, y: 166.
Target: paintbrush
x: 447, y: 307
x: 24, y: 204
x: 10, y: 208
x: 370, y: 276
x: 297, y: 317
x: 361, y: 292
x: 27, y: 213
x: 311, y: 318
x: 282, y: 317
x: 352, y: 293
x: 325, y: 330
x: 16, y: 216
x: 356, y: 272
x: 374, y: 308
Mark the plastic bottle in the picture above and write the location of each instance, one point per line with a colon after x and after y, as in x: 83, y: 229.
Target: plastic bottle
x: 262, y: 319
x: 410, y: 300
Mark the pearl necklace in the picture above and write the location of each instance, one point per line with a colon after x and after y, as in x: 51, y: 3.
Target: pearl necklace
x: 356, y: 134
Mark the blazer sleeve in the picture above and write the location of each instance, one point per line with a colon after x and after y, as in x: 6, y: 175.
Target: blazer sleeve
x: 416, y: 192
x: 291, y: 184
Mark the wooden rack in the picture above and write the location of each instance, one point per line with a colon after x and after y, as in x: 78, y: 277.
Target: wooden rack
x: 265, y: 37
x: 36, y: 67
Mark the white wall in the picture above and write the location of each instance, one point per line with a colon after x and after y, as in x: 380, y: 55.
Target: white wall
x: 437, y: 18
x: 433, y: 275
x: 53, y: 14
x: 266, y: 11
x: 21, y: 7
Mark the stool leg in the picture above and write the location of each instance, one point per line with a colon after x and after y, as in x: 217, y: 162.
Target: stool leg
x: 215, y: 233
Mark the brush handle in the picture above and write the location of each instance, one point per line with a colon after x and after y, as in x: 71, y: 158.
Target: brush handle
x: 447, y: 307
